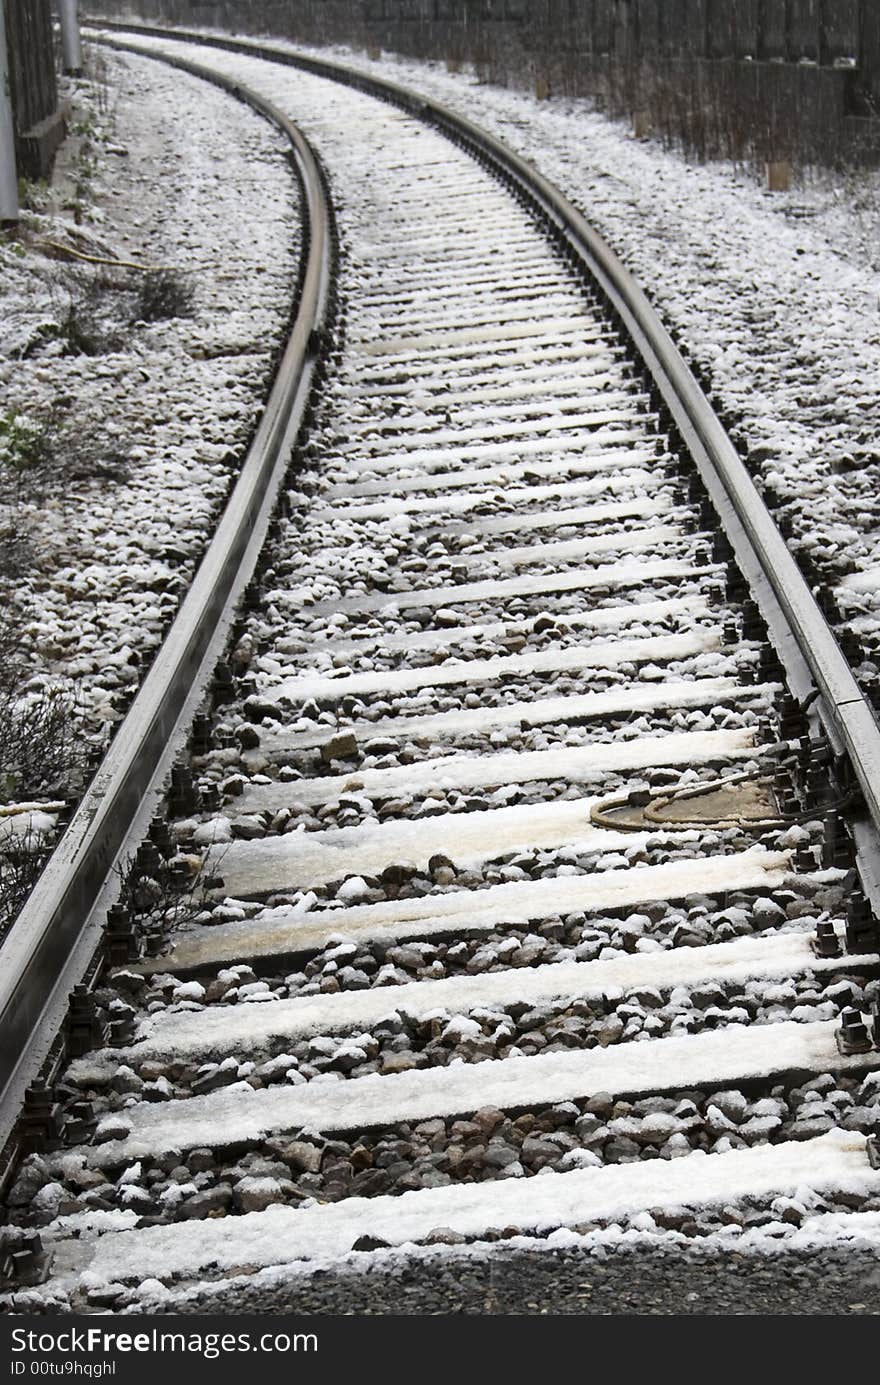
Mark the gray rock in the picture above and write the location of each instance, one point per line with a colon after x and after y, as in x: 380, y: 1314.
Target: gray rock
x: 126, y: 1081
x: 601, y: 1105
x: 370, y: 1182
x: 487, y: 1119
x: 256, y: 1193
x: 410, y: 958
x: 767, y: 914
x: 341, y: 747
x: 609, y: 1031
x: 620, y: 1149
x: 808, y: 1127
x: 538, y: 1151
x: 212, y: 1202
x: 299, y: 1155
x: 732, y: 1104
x: 444, y: 1236
x: 499, y: 1156
x: 403, y: 1062
x: 248, y: 827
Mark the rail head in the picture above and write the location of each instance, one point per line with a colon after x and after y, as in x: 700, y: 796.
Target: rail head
x: 50, y: 946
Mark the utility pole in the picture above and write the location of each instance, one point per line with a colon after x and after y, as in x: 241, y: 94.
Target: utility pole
x: 8, y: 174
x: 71, y: 48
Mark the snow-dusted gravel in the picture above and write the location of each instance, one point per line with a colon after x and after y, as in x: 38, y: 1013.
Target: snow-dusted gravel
x: 464, y: 985
x: 128, y: 398
x: 145, y: 424
x: 773, y: 296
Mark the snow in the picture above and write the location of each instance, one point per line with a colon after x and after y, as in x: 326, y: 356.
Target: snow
x: 602, y: 618
x: 622, y: 574
x: 189, y: 1035
x: 285, y: 929
x: 569, y: 550
x: 536, y: 712
x: 548, y: 426
x: 831, y: 1163
x: 597, y: 455
x: 773, y: 295
x: 302, y: 860
x: 421, y: 347
x: 238, y: 1113
x: 572, y: 764
x: 642, y: 508
x: 612, y: 472
x: 458, y: 504
x: 596, y: 654
x: 461, y: 504
x: 143, y: 423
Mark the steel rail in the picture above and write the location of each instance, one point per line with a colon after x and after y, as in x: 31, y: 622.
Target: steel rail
x: 59, y: 928
x: 807, y: 648
x: 51, y: 945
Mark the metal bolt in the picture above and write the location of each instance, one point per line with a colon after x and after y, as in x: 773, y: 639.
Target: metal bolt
x: 852, y: 1036
x: 180, y: 876
x: 154, y: 941
x: 27, y: 1261
x: 41, y: 1120
x: 182, y: 797
x: 222, y: 687
x: 826, y: 942
x: 85, y: 1030
x: 861, y: 925
x: 160, y: 835
x: 120, y: 937
x: 805, y: 858
x: 751, y: 615
x: 147, y: 860
x: 79, y: 1122
x: 200, y: 734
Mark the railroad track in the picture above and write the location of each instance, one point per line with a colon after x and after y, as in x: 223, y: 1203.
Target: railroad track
x: 510, y: 848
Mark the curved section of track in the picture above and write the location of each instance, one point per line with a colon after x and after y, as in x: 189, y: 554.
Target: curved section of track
x: 51, y: 945
x: 432, y: 994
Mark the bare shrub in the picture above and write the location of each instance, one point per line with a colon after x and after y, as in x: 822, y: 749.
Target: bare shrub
x: 39, y: 748
x: 40, y: 759
x: 20, y: 870
x: 163, y: 294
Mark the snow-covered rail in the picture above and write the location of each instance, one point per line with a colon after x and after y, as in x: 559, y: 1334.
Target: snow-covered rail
x: 428, y: 976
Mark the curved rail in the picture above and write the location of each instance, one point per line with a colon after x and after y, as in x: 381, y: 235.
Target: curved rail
x: 814, y: 662
x: 50, y: 946
x: 58, y: 928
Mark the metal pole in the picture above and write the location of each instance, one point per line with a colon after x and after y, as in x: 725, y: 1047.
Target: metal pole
x: 8, y: 173
x: 71, y: 48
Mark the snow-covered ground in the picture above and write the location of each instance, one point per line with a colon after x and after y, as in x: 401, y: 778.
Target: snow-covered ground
x: 122, y: 421
x: 144, y: 430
